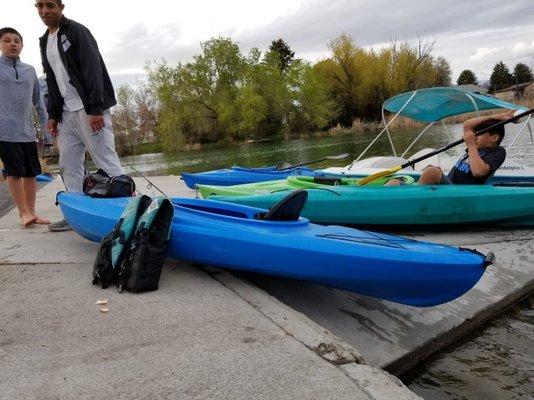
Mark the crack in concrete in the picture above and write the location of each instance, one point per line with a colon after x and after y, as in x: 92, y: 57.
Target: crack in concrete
x: 26, y: 263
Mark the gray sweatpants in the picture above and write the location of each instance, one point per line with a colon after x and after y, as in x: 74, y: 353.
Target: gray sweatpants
x: 74, y: 138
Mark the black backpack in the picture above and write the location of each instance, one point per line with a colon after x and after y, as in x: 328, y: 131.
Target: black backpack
x: 141, y: 269
x: 100, y: 184
x: 114, y: 245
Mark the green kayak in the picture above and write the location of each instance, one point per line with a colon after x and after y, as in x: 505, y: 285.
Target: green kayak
x: 292, y: 183
x: 405, y: 205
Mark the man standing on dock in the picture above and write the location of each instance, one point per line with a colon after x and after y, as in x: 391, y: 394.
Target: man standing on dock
x: 80, y: 96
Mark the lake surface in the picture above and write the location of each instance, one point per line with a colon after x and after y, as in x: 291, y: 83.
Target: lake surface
x: 302, y: 150
x: 494, y: 362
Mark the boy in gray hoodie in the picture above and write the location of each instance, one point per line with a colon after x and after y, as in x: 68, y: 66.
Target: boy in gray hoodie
x: 20, y: 94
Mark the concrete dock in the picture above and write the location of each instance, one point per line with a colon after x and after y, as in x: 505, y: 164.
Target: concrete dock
x: 209, y: 333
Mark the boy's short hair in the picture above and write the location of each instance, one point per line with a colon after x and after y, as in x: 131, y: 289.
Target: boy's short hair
x: 498, y: 130
x: 7, y: 30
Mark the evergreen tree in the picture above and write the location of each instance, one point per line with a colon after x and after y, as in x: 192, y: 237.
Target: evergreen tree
x: 284, y: 51
x: 500, y: 77
x: 522, y: 73
x: 443, y: 72
x: 467, y: 77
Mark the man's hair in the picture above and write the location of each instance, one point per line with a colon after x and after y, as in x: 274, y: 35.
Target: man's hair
x: 7, y: 30
x: 499, y: 130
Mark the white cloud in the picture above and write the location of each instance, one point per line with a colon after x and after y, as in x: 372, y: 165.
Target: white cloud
x: 483, y: 52
x: 523, y: 47
x: 130, y: 33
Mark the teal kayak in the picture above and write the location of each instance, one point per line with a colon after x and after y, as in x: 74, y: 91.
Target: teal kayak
x: 406, y: 205
x: 292, y: 183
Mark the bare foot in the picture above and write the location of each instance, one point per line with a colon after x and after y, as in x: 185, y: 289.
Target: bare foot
x: 28, y: 220
x: 41, y: 221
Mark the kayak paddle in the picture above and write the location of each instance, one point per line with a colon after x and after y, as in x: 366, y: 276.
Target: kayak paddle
x: 409, y: 163
x: 338, y: 157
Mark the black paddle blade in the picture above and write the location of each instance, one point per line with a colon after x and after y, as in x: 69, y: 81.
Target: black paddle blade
x: 287, y: 209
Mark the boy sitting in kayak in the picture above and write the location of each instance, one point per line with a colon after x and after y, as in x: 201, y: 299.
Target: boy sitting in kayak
x: 18, y: 147
x: 483, y: 156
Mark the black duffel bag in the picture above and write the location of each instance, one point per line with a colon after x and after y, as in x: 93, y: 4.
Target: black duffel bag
x: 100, y: 184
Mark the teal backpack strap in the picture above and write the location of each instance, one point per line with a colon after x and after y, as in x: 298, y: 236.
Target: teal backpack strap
x: 113, y: 246
x: 130, y: 219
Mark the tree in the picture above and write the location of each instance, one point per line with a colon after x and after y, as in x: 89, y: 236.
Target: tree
x: 443, y: 72
x: 522, y: 73
x: 412, y: 65
x: 125, y: 120
x: 467, y: 77
x: 500, y: 77
x: 284, y: 52
x: 263, y: 98
x: 344, y: 77
x: 198, y: 100
x: 146, y: 105
x: 311, y: 109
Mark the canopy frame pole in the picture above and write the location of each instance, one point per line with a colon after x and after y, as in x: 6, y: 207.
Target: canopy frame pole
x: 525, y: 124
x: 417, y: 138
x: 384, y: 130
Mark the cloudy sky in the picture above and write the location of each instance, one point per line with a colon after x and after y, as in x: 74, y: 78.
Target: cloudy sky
x: 470, y: 34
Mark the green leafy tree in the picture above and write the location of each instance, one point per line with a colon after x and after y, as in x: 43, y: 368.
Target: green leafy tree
x: 360, y: 80
x: 344, y: 77
x: 522, y: 73
x: 412, y: 65
x: 264, y: 96
x: 500, y: 77
x: 467, y: 77
x: 284, y: 52
x: 311, y: 108
x: 198, y: 99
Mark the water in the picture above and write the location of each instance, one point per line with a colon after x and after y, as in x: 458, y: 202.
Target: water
x: 494, y: 362
x: 298, y: 151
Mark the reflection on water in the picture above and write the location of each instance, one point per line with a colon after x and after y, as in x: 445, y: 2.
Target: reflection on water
x: 495, y: 362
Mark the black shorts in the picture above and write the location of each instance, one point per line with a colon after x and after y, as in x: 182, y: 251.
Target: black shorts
x: 20, y: 159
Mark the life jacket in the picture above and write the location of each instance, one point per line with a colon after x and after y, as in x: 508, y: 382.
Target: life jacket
x: 113, y: 246
x: 141, y: 269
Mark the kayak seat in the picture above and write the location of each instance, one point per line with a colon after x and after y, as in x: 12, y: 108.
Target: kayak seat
x: 324, y: 180
x: 287, y: 209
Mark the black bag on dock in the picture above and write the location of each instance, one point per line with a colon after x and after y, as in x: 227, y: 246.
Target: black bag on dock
x: 100, y: 184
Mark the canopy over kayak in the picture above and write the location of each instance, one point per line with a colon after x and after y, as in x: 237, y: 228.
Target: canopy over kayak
x: 434, y: 104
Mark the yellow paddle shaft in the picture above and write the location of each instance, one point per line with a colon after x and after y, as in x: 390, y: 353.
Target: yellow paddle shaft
x: 370, y: 178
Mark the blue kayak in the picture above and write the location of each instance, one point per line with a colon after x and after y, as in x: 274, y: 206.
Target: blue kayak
x: 237, y: 175
x: 230, y: 236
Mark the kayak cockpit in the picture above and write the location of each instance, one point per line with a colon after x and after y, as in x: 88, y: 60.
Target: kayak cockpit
x: 287, y: 209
